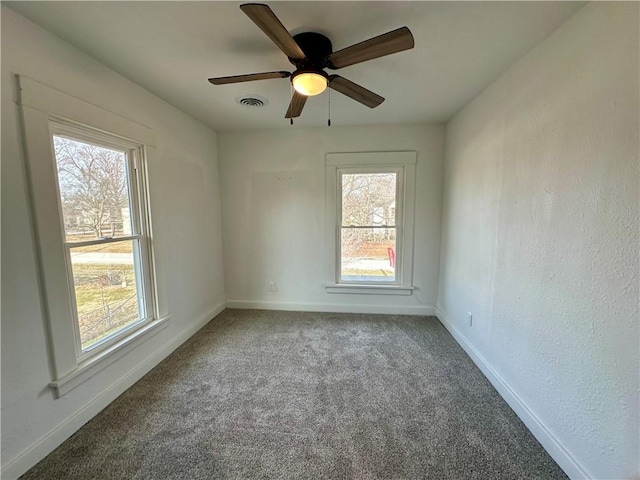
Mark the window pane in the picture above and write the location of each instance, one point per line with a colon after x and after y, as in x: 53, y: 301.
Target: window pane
x: 369, y: 199
x: 368, y: 255
x: 93, y: 190
x: 107, y: 296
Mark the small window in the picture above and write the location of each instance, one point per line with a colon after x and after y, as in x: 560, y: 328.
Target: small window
x: 370, y: 222
x: 101, y: 199
x: 368, y: 247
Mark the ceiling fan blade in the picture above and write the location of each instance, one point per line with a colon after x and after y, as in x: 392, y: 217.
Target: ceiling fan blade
x: 355, y: 91
x: 264, y: 18
x: 248, y: 78
x: 385, y: 44
x: 297, y: 104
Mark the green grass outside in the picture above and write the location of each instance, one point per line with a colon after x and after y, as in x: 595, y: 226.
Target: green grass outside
x: 99, y: 289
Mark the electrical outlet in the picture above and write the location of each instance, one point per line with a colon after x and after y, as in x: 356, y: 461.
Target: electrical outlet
x: 470, y: 319
x: 272, y: 287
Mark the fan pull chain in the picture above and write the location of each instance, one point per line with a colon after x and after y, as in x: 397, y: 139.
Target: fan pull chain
x: 329, y: 119
x: 291, y: 96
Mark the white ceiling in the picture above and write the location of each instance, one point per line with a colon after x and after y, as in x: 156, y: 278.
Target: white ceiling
x: 171, y: 48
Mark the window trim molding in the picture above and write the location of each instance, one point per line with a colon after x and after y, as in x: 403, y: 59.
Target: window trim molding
x: 373, y: 289
x: 39, y: 106
x: 405, y: 162
x: 92, y: 365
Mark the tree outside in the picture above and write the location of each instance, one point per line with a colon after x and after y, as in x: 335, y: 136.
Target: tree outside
x: 93, y: 188
x: 94, y: 195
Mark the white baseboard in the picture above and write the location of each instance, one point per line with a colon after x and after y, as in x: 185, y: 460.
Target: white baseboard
x: 551, y: 443
x: 333, y: 307
x: 47, y: 443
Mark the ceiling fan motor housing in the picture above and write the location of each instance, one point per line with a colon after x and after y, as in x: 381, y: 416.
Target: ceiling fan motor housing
x: 316, y: 48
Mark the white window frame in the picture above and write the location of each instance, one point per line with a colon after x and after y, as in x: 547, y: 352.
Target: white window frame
x: 47, y: 112
x: 399, y: 172
x: 138, y: 202
x: 404, y: 165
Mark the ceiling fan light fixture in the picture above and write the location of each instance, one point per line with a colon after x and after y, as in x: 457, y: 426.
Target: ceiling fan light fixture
x: 309, y: 83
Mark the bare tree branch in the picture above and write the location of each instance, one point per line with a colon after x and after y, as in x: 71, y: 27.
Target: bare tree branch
x: 93, y: 186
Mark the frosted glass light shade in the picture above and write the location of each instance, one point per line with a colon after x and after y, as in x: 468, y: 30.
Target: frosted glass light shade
x: 309, y: 83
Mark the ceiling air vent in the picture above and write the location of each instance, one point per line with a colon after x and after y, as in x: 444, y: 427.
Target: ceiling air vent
x: 252, y: 101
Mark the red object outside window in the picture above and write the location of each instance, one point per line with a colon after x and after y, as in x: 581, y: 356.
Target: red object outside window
x: 392, y: 256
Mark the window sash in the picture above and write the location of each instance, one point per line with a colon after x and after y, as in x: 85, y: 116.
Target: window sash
x: 135, y: 177
x: 399, y: 172
x: 141, y: 294
x: 102, y: 241
x: 340, y: 273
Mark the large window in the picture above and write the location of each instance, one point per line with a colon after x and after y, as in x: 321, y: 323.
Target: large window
x: 87, y: 172
x: 370, y: 222
x: 106, y: 242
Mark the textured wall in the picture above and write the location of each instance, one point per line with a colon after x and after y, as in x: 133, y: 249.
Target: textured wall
x: 540, y: 234
x: 273, y: 204
x: 186, y: 221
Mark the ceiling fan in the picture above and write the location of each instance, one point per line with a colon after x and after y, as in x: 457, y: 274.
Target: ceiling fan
x: 311, y: 53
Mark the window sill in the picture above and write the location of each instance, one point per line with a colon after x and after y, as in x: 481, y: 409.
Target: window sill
x: 368, y: 289
x: 88, y: 368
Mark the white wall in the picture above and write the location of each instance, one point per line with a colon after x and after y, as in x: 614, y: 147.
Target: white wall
x: 186, y: 223
x: 540, y: 238
x: 273, y: 211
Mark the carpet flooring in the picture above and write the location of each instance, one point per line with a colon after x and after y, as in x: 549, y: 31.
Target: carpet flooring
x: 291, y: 395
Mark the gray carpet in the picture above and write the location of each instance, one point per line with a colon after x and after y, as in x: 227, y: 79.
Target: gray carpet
x: 290, y: 395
